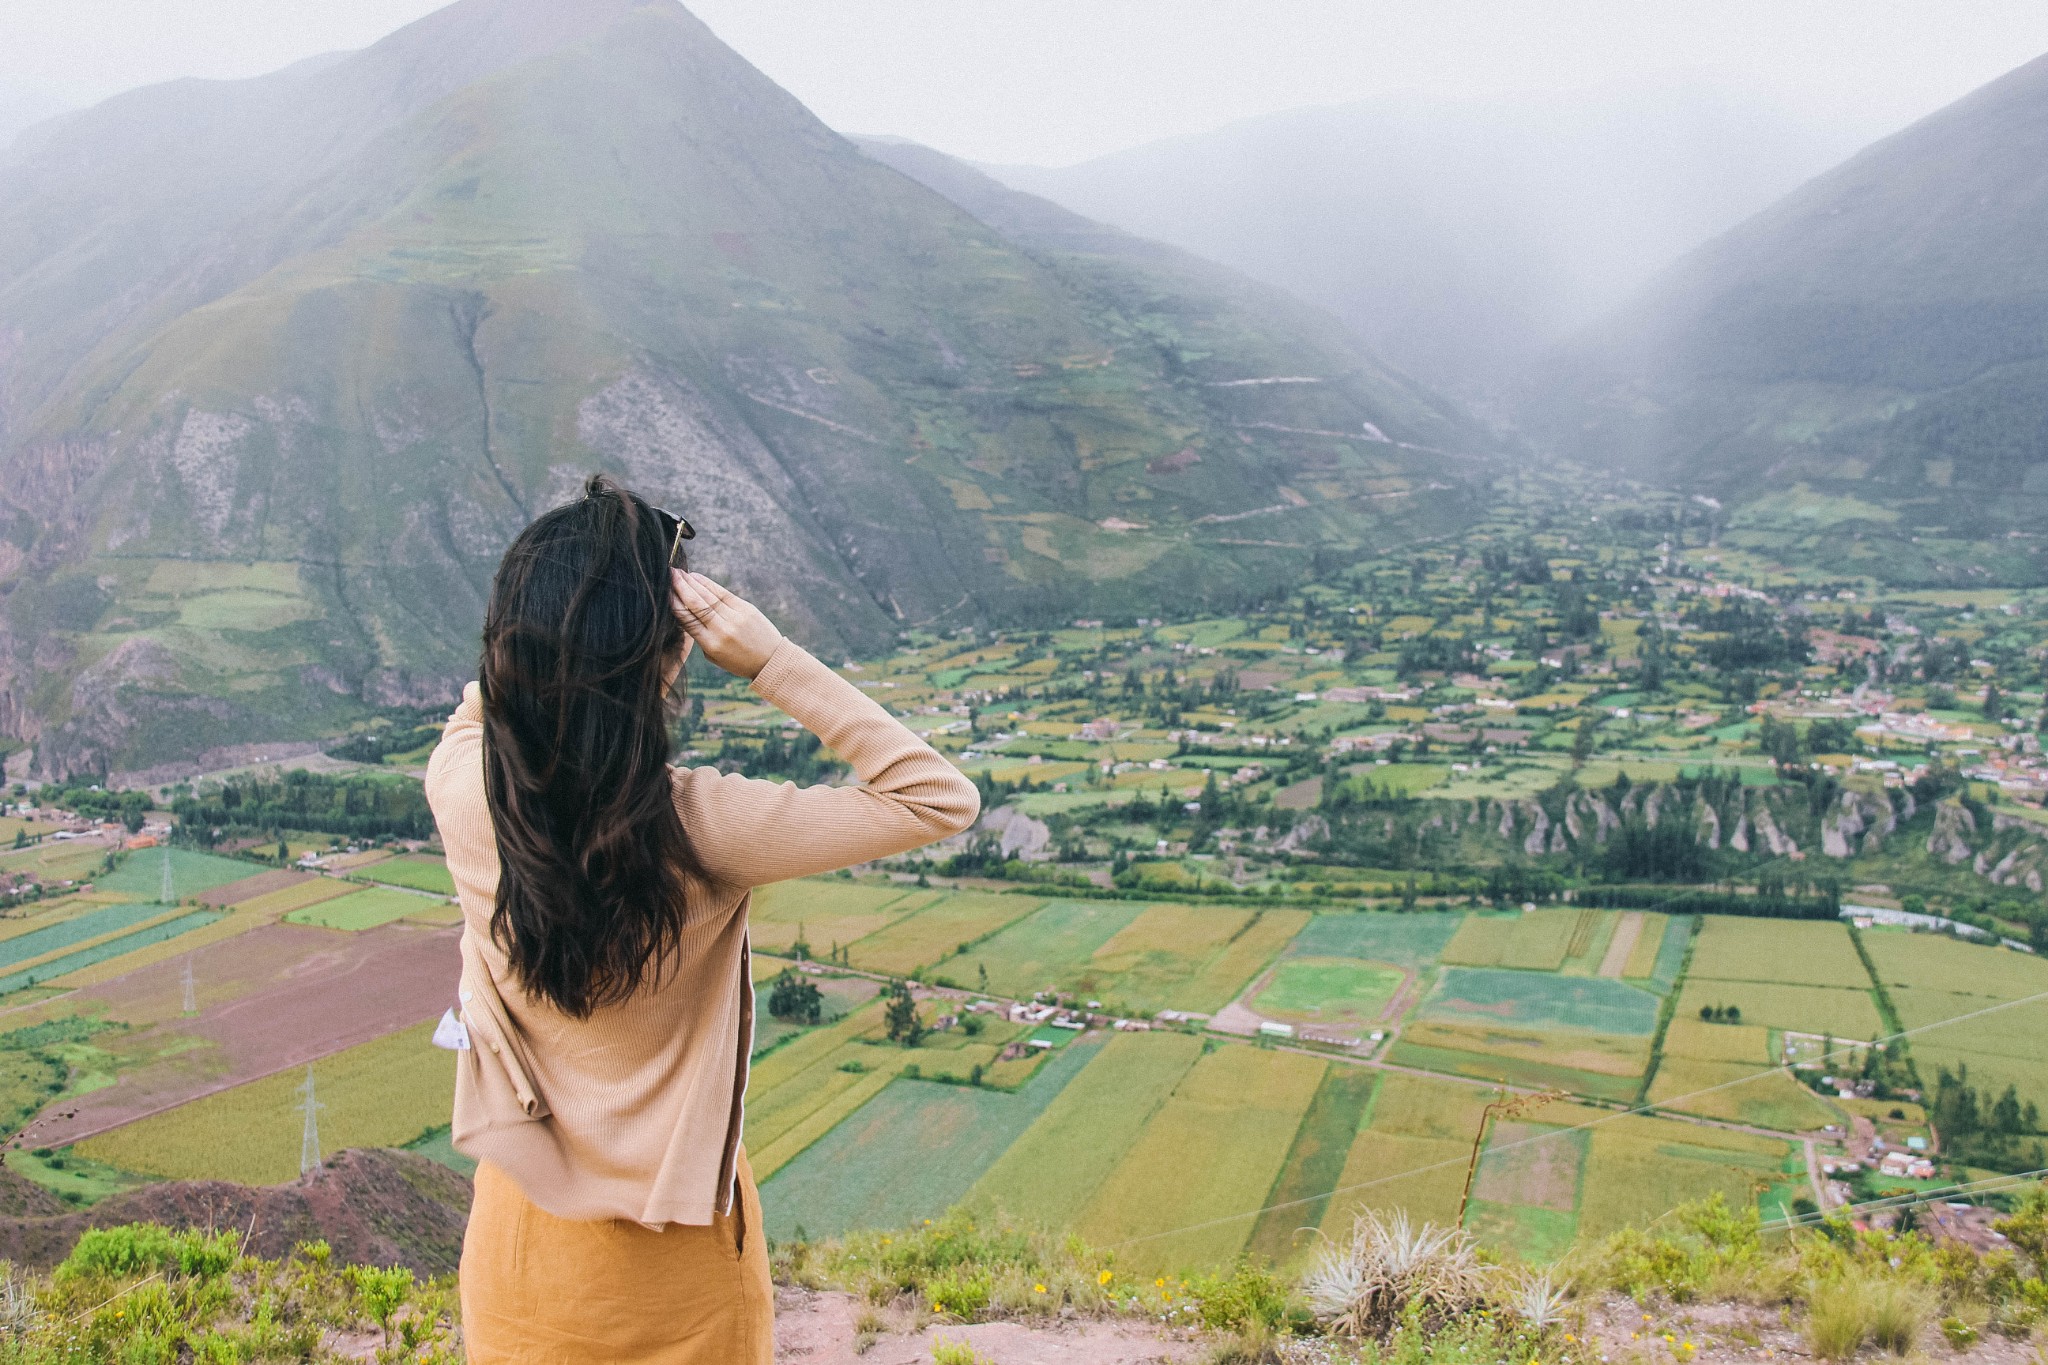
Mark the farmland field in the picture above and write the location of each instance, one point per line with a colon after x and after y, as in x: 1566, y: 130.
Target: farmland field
x: 1315, y: 1163
x: 1644, y: 956
x: 828, y: 912
x: 141, y: 875
x: 416, y: 871
x: 360, y: 910
x: 1799, y: 952
x: 1741, y: 1092
x: 1809, y: 1009
x: 381, y: 1094
x: 1404, y: 940
x: 1211, y: 1151
x: 77, y: 960
x: 1591, y: 1004
x: 911, y: 1152
x: 1328, y: 990
x: 1052, y: 1171
x: 936, y: 932
x: 1537, y: 940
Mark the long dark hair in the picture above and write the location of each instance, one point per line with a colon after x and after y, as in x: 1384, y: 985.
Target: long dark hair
x: 578, y: 640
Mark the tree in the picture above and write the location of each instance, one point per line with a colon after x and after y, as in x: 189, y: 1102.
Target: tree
x: 796, y: 999
x: 904, y: 1024
x: 801, y: 949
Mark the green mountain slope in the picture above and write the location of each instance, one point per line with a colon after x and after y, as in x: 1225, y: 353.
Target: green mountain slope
x: 287, y: 362
x: 1881, y: 332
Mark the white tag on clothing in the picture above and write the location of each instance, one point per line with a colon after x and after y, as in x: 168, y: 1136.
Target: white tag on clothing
x: 451, y: 1033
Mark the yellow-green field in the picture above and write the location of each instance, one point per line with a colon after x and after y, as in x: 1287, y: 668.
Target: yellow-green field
x: 1798, y: 952
x: 380, y: 1094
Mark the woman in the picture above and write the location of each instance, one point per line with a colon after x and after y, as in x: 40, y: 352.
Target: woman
x: 606, y: 1007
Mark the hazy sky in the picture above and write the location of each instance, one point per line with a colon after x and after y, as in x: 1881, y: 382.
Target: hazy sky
x: 1054, y: 81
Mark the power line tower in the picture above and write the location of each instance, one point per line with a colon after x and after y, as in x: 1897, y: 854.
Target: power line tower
x: 309, y: 1141
x: 167, y: 893
x: 191, y: 995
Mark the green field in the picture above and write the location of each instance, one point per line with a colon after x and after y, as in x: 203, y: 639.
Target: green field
x: 1590, y: 1004
x: 909, y: 1153
x: 1328, y: 990
x: 379, y: 1094
x: 1405, y: 940
x: 362, y: 909
x: 141, y: 874
x: 417, y: 871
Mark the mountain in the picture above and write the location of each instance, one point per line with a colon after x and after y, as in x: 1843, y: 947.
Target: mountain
x: 1881, y: 334
x: 373, y: 1206
x: 21, y: 106
x: 1456, y: 237
x: 287, y: 361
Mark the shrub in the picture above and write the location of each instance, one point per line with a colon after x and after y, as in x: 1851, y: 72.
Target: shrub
x: 1392, y: 1270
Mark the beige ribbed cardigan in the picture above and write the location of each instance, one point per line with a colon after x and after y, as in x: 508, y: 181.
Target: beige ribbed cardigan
x: 634, y: 1112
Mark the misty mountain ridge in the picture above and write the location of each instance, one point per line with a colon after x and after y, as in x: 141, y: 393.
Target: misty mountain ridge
x: 1882, y: 331
x: 1457, y: 237
x: 289, y: 361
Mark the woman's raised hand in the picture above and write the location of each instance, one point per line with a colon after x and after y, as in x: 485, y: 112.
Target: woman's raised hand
x: 730, y: 630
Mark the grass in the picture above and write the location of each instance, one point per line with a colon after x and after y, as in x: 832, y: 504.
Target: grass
x: 1212, y: 1151
x: 416, y: 871
x: 1694, y: 1037
x: 1328, y: 990
x: 1809, y: 1009
x: 71, y: 1177
x: 361, y: 909
x: 911, y: 1152
x: 1798, y: 952
x: 141, y: 873
x: 1415, y: 940
x: 383, y: 1093
x: 937, y: 931
x: 1049, y: 1174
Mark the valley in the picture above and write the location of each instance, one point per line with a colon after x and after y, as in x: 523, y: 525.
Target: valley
x: 1613, y: 803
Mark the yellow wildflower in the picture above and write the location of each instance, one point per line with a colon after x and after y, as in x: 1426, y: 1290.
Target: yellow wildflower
x: 1038, y: 1289
x: 1104, y: 1278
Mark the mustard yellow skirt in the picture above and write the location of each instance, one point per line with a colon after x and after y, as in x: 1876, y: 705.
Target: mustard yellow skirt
x: 539, y: 1290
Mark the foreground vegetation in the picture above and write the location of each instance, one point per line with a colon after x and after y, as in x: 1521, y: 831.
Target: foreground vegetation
x: 1390, y: 1291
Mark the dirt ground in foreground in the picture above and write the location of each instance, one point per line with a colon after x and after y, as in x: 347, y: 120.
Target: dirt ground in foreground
x: 820, y: 1329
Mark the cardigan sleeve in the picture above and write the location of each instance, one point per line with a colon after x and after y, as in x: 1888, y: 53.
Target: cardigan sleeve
x: 748, y: 832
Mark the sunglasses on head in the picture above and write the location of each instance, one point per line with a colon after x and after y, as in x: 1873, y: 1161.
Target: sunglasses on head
x: 677, y: 529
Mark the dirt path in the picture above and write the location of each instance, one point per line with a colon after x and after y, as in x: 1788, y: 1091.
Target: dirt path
x: 1627, y: 930
x: 818, y: 1329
